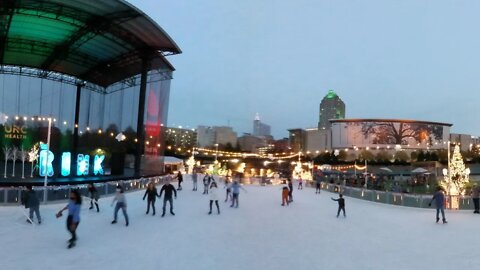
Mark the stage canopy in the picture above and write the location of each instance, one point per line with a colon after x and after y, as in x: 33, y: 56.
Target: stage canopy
x: 101, y: 42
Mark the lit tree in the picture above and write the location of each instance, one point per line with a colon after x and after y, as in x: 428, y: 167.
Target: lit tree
x: 14, y: 156
x: 457, y: 176
x: 6, y: 152
x: 23, y: 156
x: 32, y: 157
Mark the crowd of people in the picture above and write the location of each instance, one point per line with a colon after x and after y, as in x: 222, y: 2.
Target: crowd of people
x: 232, y: 193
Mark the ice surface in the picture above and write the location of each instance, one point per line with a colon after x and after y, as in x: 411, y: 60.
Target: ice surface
x: 260, y: 234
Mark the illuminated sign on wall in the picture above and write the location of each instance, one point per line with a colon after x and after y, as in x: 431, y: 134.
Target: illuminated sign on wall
x: 66, y: 163
x: 83, y: 164
x: 46, y: 159
x: 15, y: 131
x: 97, y: 164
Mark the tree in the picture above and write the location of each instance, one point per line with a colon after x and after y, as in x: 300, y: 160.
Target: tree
x: 401, y: 156
x: 400, y: 132
x: 458, y: 175
x: 366, y: 155
x: 414, y: 156
x: 383, y: 157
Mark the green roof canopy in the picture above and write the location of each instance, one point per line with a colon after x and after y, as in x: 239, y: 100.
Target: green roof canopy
x: 99, y: 41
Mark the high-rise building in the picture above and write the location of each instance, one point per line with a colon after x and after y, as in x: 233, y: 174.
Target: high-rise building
x: 209, y: 136
x: 331, y: 107
x: 180, y: 137
x: 260, y: 129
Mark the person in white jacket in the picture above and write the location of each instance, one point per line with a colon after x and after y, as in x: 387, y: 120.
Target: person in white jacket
x: 214, y: 197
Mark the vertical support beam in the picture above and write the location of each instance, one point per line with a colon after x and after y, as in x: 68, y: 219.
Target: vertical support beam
x: 73, y: 171
x: 140, y: 120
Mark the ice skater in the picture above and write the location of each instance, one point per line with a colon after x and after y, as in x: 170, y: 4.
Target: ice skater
x: 74, y: 206
x: 341, y: 205
x: 169, y: 190
x: 214, y: 197
x: 318, y: 186
x: 228, y: 189
x: 93, y: 197
x: 290, y: 190
x: 300, y: 182
x: 439, y: 198
x: 285, y: 192
x: 121, y: 204
x: 235, y: 193
x: 194, y: 179
x: 475, y: 198
x: 207, y: 179
x: 151, y: 194
x: 179, y: 177
x: 31, y: 201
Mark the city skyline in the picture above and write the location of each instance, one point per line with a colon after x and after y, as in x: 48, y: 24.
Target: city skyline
x: 386, y: 59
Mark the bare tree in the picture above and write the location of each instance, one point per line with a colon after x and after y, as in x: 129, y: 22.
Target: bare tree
x: 14, y: 157
x: 6, y: 152
x: 400, y: 133
x: 23, y: 156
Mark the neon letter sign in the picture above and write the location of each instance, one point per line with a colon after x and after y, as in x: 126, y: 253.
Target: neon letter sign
x: 97, y: 164
x: 46, y: 159
x: 66, y: 160
x: 83, y: 164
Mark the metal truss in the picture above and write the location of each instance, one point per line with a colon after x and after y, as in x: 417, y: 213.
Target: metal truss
x: 153, y: 76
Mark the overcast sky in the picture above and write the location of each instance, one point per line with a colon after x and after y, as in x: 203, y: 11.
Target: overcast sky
x: 409, y: 59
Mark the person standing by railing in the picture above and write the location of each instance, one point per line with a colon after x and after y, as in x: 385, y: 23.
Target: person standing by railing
x: 475, y: 198
x: 439, y: 198
x: 31, y: 201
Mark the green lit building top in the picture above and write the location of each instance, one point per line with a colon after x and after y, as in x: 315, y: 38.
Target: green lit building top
x: 331, y: 107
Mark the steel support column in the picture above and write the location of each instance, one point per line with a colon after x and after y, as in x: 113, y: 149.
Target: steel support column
x: 140, y: 120
x: 74, y: 151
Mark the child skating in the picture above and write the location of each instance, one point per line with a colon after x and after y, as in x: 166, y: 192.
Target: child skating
x: 341, y: 205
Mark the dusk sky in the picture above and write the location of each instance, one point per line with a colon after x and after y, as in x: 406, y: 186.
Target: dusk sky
x: 409, y: 59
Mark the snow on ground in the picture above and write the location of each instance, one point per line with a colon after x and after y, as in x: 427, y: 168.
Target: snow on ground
x: 260, y: 234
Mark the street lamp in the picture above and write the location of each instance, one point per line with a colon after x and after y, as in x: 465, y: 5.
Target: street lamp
x: 216, y: 152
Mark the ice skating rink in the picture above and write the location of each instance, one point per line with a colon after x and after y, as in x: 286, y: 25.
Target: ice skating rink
x: 260, y: 234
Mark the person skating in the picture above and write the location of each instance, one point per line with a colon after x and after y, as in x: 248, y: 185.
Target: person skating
x: 285, y: 192
x: 151, y: 194
x: 290, y: 190
x: 439, y: 198
x: 228, y: 189
x: 179, y: 177
x: 235, y: 193
x: 475, y: 198
x: 207, y: 179
x: 318, y: 186
x: 74, y: 206
x: 341, y: 205
x: 93, y: 197
x: 121, y: 204
x: 195, y: 179
x: 169, y: 190
x: 31, y: 201
x: 300, y: 182
x: 214, y: 197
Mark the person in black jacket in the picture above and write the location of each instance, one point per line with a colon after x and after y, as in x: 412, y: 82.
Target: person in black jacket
x: 179, y: 177
x: 290, y: 190
x: 341, y: 204
x: 207, y: 179
x: 169, y: 190
x: 93, y: 197
x: 31, y: 201
x: 152, y: 195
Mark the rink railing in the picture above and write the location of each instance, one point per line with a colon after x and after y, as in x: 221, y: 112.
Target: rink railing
x: 395, y: 198
x: 12, y: 195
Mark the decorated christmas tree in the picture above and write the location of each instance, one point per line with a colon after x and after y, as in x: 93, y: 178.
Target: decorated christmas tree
x: 457, y: 175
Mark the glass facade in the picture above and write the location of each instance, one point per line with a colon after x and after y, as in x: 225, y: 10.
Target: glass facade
x: 25, y: 100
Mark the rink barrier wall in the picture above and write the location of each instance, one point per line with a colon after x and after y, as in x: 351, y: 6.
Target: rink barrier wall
x: 395, y: 198
x: 12, y: 196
